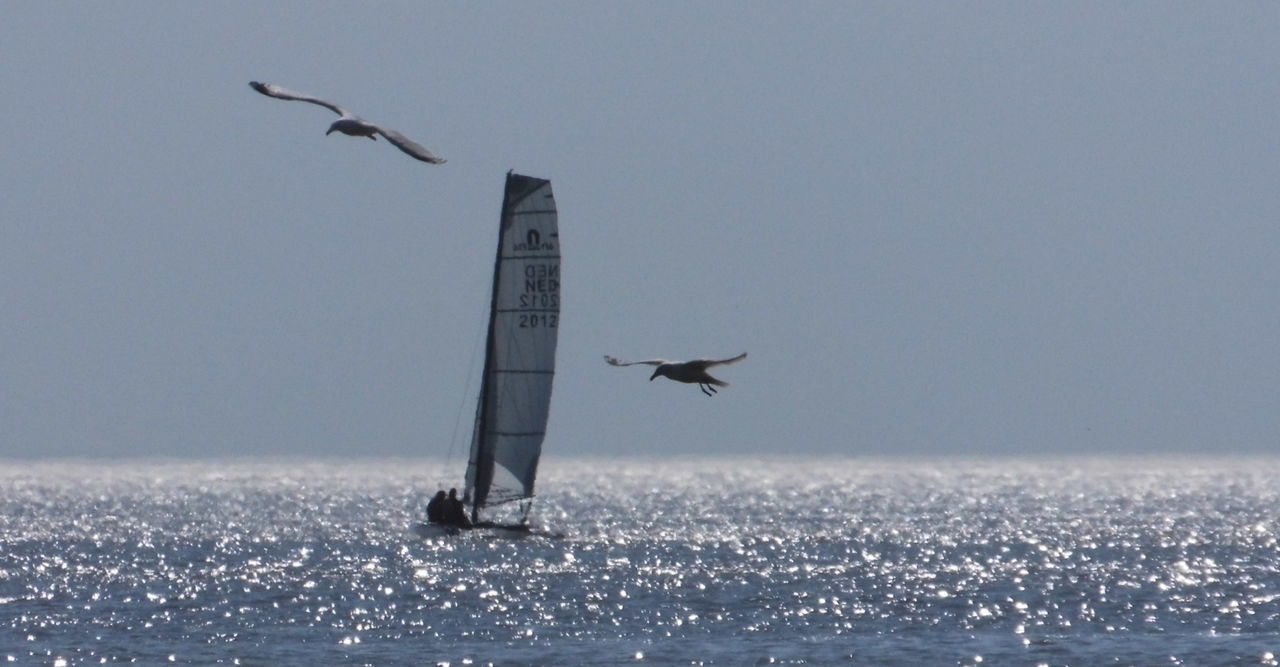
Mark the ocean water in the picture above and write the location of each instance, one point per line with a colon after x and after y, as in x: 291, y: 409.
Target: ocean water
x: 687, y: 562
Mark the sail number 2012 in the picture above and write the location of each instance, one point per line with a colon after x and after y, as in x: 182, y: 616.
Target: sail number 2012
x: 539, y: 320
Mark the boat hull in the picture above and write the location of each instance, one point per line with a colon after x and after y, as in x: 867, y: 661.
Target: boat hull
x: 431, y: 530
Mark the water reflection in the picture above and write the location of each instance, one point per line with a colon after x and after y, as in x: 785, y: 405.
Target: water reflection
x: 737, y: 558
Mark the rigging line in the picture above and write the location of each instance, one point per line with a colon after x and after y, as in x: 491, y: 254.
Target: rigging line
x: 466, y: 391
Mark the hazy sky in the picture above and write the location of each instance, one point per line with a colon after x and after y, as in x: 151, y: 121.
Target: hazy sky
x: 937, y: 228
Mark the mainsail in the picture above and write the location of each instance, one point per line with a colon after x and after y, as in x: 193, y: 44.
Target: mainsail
x: 520, y: 356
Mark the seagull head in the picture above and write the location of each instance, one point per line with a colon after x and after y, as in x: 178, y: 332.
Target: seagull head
x: 660, y: 370
x: 332, y: 128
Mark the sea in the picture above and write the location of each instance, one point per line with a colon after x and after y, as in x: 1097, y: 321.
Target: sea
x: 724, y: 561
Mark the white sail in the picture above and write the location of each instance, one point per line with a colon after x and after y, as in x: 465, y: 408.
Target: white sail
x: 520, y: 357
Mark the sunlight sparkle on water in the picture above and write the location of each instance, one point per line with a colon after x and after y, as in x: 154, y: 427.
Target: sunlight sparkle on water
x: 657, y: 562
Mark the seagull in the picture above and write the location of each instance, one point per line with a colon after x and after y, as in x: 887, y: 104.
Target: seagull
x: 684, y: 371
x: 350, y: 123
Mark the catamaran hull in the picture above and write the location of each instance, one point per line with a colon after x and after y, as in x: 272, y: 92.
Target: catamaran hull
x: 432, y: 530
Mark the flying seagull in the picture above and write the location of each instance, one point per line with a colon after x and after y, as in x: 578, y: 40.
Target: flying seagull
x: 350, y: 123
x: 684, y: 371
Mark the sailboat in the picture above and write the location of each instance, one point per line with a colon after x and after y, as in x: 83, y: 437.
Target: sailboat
x: 520, y: 359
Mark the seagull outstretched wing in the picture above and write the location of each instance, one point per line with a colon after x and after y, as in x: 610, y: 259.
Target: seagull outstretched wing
x: 701, y: 363
x: 614, y: 361
x: 413, y: 148
x: 272, y: 90
x: 719, y: 362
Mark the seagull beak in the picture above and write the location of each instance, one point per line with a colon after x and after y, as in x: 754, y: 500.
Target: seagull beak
x: 655, y: 374
x: 330, y: 131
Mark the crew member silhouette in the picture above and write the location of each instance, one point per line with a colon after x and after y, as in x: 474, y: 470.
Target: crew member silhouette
x: 454, y: 513
x: 436, y: 508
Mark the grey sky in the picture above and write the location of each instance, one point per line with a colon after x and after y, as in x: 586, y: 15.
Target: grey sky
x: 935, y: 227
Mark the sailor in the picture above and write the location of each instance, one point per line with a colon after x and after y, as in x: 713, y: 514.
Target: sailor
x: 436, y: 508
x: 454, y: 513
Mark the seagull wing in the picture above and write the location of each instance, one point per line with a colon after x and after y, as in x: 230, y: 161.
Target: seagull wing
x: 707, y: 363
x: 407, y: 145
x: 614, y: 361
x: 271, y: 90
